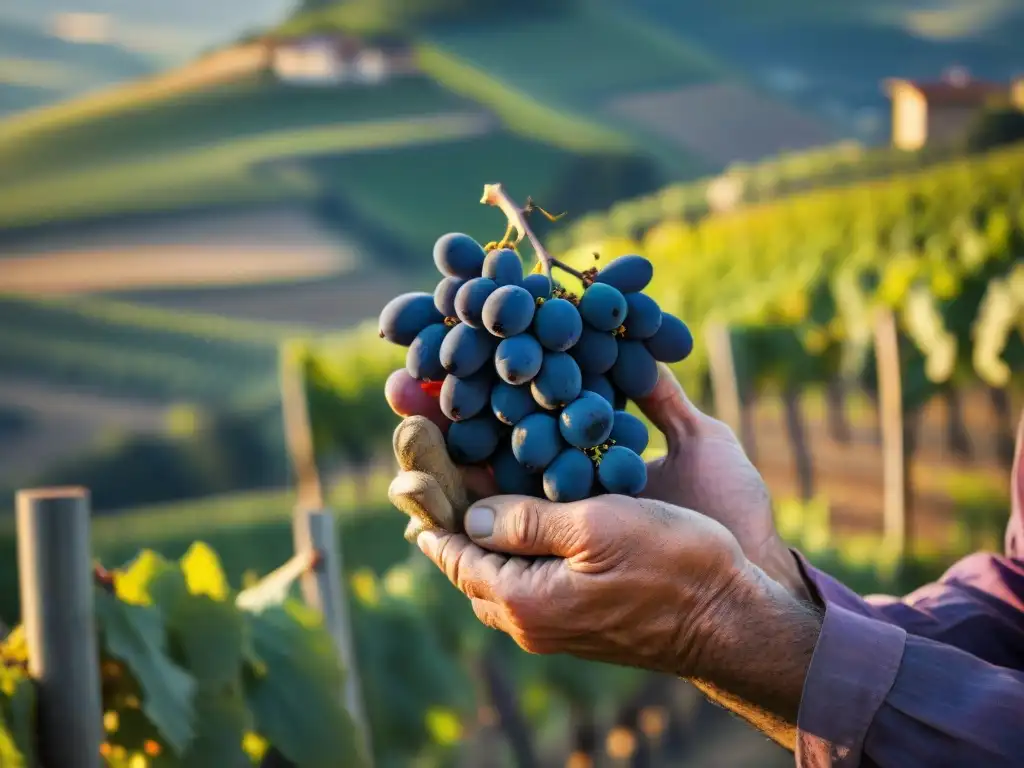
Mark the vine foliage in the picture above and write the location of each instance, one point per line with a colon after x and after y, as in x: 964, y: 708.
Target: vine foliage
x: 191, y: 678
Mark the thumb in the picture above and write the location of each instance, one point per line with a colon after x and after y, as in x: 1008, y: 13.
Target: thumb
x: 523, y: 525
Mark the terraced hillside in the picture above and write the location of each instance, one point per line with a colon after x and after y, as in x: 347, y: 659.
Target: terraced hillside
x: 829, y: 56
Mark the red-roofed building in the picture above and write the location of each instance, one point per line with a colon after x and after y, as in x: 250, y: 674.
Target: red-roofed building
x: 941, y: 111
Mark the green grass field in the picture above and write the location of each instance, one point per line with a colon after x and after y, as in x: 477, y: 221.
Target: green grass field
x: 149, y: 353
x: 577, y: 59
x: 425, y: 191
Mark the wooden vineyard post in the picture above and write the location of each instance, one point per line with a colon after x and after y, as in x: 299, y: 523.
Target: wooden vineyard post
x: 896, y: 521
x: 56, y: 582
x: 323, y: 588
x: 723, y: 376
x: 313, y: 528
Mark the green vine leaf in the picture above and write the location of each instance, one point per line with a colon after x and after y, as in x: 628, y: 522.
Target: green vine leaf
x: 135, y: 634
x: 297, y: 702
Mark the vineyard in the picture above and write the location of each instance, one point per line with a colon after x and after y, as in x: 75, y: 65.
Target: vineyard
x: 804, y: 307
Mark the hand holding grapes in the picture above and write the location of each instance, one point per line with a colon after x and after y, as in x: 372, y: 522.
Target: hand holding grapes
x: 704, y: 469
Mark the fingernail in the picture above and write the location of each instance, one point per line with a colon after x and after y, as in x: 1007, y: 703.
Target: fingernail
x: 479, y: 522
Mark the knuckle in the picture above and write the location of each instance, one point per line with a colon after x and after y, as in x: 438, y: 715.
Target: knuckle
x: 524, y: 525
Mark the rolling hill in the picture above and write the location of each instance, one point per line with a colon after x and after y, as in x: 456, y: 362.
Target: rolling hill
x: 829, y: 57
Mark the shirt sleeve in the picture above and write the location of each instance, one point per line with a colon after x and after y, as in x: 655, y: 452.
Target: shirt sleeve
x: 876, y: 696
x: 930, y: 679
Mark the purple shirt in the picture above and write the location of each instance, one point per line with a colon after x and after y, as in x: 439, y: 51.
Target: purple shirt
x: 933, y: 679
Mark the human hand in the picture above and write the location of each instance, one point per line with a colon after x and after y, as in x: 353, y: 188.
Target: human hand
x: 625, y: 581
x: 704, y: 469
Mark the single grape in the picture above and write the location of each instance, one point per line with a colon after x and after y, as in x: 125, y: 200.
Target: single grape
x: 407, y: 397
x: 536, y: 441
x: 603, y: 306
x: 558, y: 383
x: 511, y: 404
x: 469, y: 301
x: 595, y: 352
x: 673, y: 342
x: 569, y: 477
x: 635, y: 372
x: 405, y: 316
x: 423, y: 360
x: 557, y: 324
x: 538, y: 285
x: 587, y: 421
x: 629, y: 432
x: 621, y: 471
x: 630, y: 274
x: 458, y: 255
x: 599, y: 385
x: 512, y: 477
x: 504, y: 267
x: 518, y: 359
x: 465, y: 349
x: 445, y: 293
x: 463, y: 399
x: 643, y: 316
x: 473, y: 440
x: 508, y: 311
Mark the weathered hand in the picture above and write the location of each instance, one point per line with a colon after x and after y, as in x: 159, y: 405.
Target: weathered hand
x: 614, y: 579
x: 705, y: 469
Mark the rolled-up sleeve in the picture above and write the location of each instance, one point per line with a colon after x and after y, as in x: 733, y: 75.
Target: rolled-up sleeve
x: 886, y: 687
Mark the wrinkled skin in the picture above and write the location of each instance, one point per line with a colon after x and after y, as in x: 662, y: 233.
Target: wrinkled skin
x: 705, y: 469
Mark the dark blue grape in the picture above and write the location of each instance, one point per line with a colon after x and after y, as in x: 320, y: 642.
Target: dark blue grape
x: 509, y: 311
x: 511, y: 404
x: 473, y: 440
x: 599, y: 385
x: 569, y: 477
x: 635, y: 372
x: 444, y: 295
x: 603, y: 307
x: 538, y: 285
x: 536, y: 441
x: 587, y: 421
x: 622, y: 471
x: 557, y: 324
x: 518, y: 359
x: 463, y: 399
x: 405, y: 316
x: 469, y: 301
x: 558, y: 383
x: 595, y: 352
x: 630, y: 432
x: 465, y: 350
x: 630, y: 274
x: 423, y: 360
x: 504, y: 267
x: 643, y: 316
x: 673, y: 342
x: 458, y: 255
x: 512, y: 477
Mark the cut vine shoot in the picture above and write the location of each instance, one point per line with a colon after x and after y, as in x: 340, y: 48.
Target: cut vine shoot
x: 535, y: 379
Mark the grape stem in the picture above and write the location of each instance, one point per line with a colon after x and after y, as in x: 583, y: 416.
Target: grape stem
x: 495, y: 195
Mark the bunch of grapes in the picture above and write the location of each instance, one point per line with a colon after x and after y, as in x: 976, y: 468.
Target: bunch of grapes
x: 534, y: 379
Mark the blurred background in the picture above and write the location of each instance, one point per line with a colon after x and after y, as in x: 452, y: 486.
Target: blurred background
x: 200, y: 201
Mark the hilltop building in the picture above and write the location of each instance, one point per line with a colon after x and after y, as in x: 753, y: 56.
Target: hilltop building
x: 325, y: 59
x: 941, y: 111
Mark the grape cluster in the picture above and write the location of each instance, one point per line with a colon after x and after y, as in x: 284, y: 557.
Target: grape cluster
x: 535, y: 380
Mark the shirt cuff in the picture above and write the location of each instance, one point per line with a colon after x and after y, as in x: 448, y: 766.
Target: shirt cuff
x: 827, y: 591
x: 852, y: 670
